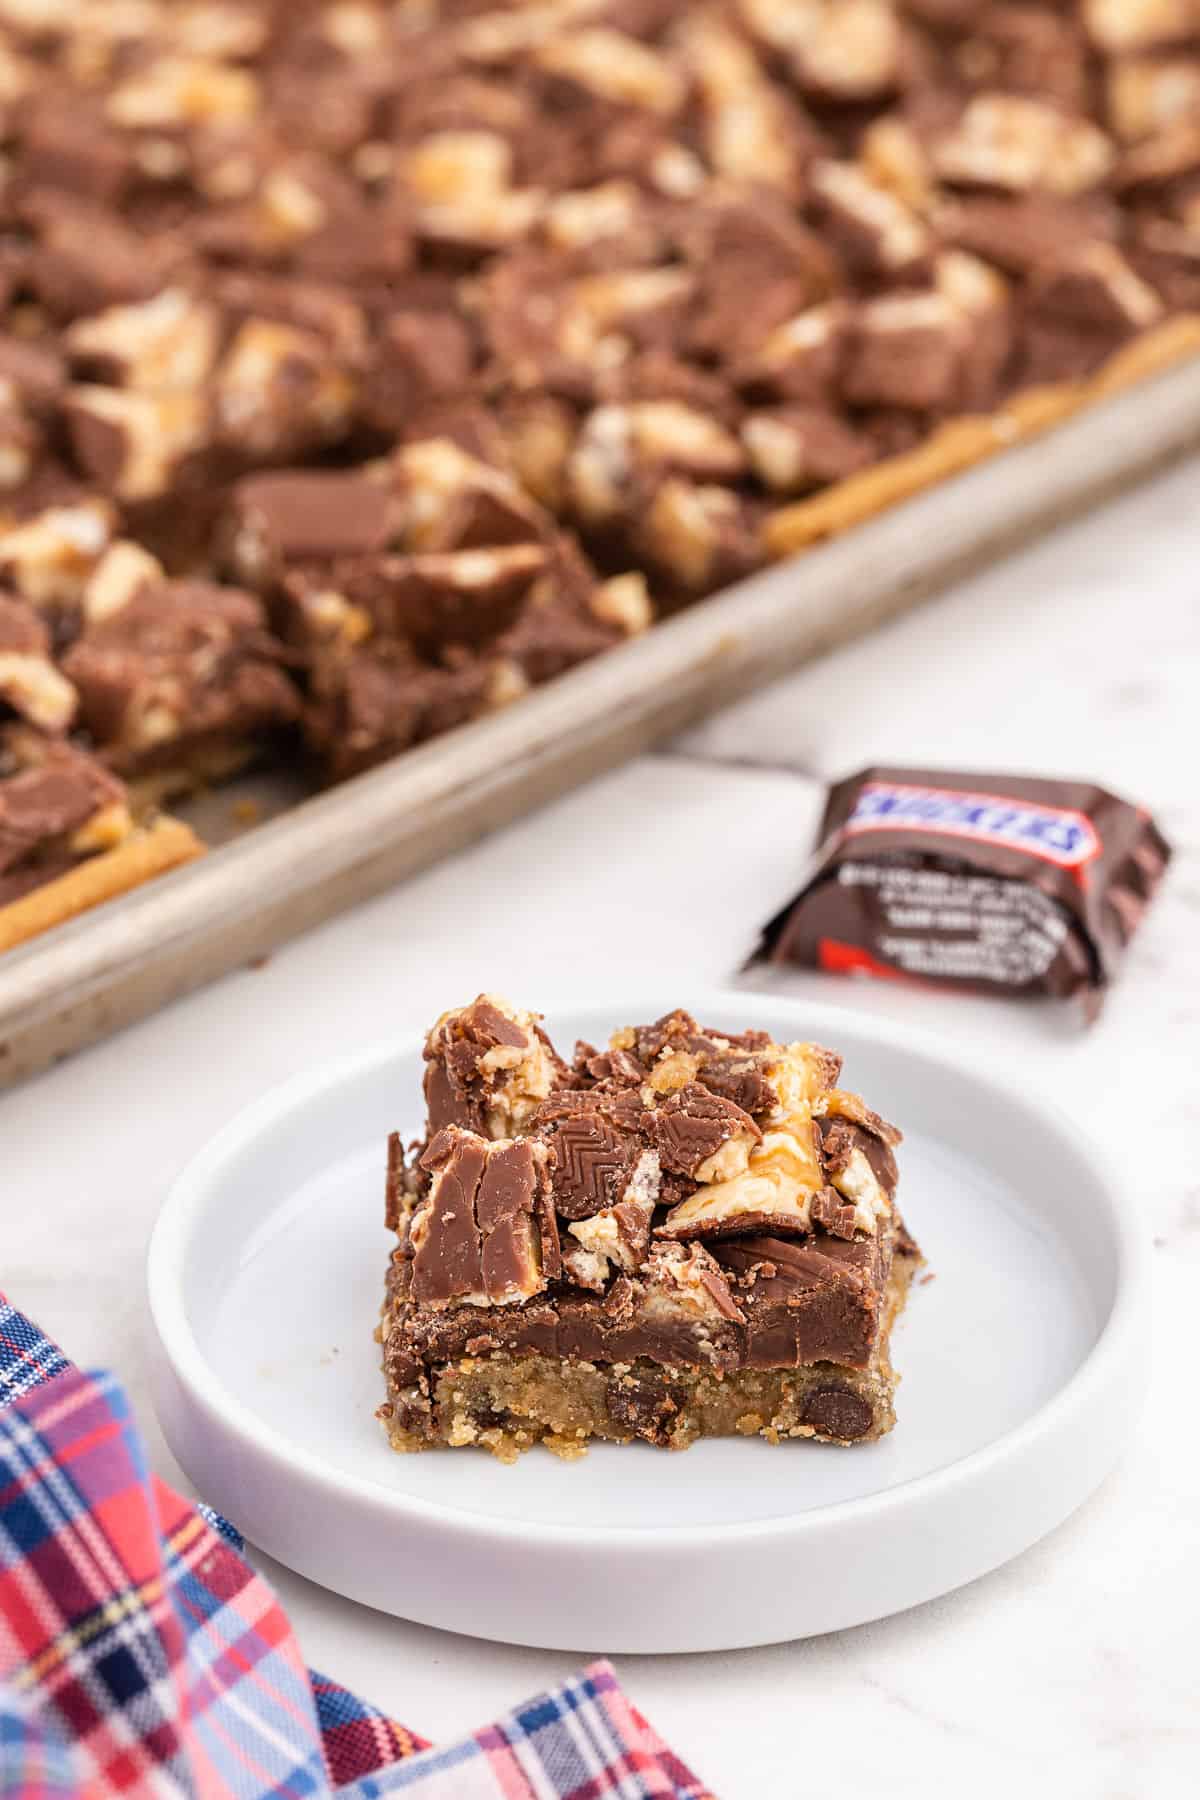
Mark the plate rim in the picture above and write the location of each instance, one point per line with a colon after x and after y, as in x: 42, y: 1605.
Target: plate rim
x: 179, y: 1345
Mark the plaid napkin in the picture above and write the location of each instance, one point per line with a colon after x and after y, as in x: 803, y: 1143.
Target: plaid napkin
x: 141, y: 1654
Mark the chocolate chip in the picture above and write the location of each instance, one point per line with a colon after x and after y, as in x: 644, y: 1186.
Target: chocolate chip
x: 837, y: 1412
x: 646, y: 1405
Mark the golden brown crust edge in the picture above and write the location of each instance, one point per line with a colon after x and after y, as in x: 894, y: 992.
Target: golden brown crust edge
x: 151, y: 850
x: 960, y: 443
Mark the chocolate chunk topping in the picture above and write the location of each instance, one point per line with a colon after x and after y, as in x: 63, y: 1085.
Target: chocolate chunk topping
x: 807, y: 1299
x: 180, y: 664
x: 555, y: 1238
x: 365, y: 704
x: 47, y: 798
x: 739, y: 1080
x: 692, y: 1125
x: 591, y: 1166
x: 476, y: 1237
x: 21, y: 629
x: 297, y: 516
x: 644, y: 1405
x: 840, y: 1138
x: 485, y: 1066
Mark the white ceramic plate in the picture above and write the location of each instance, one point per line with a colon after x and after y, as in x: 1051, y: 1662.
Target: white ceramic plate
x: 1022, y: 1365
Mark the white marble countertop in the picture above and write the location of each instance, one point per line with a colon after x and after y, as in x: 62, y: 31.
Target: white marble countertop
x: 1074, y: 1670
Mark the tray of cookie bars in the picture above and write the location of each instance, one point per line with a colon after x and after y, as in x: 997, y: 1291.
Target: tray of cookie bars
x: 408, y: 410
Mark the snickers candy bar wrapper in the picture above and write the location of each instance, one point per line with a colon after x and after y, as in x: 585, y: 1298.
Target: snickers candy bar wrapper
x: 1000, y: 884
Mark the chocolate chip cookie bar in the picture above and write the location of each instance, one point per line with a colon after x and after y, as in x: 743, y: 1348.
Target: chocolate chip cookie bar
x: 689, y: 1233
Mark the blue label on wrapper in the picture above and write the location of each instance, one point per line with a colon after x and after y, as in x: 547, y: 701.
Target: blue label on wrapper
x: 1057, y: 834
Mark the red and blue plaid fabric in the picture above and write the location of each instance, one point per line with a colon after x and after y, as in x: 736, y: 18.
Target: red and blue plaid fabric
x: 141, y: 1655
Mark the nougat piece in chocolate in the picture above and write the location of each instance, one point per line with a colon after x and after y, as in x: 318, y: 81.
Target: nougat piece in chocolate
x: 1095, y: 288
x: 906, y: 351
x: 367, y: 701
x: 1079, y: 308
x: 487, y: 1068
x: 799, y: 361
x: 306, y: 520
x: 58, y: 806
x: 448, y: 498
x: 432, y: 548
x: 756, y: 268
x: 1015, y: 143
x: 625, y: 454
x: 435, y: 600
x: 673, y: 1262
x: 695, y: 536
x: 795, y: 448
x: 418, y: 357
x: 83, y: 257
x: 751, y: 129
x: 281, y: 391
x: 22, y: 438
x: 30, y: 684
x: 567, y: 616
x: 875, y: 230
x: 136, y: 445
x: 169, y: 341
x: 1019, y: 234
x: 174, y: 673
x: 477, y: 1235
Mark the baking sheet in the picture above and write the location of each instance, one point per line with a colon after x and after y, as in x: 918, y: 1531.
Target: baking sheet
x: 268, y: 881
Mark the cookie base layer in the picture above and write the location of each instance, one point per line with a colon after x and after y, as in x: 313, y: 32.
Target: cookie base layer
x: 507, y: 1403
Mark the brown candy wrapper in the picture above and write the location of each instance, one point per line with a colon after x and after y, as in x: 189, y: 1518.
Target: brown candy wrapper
x: 996, y: 884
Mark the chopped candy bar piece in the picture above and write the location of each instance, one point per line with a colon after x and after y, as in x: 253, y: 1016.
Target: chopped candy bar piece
x: 1097, y: 287
x: 49, y: 792
x: 1008, y: 141
x: 49, y: 559
x: 487, y: 1068
x: 182, y: 671
x: 969, y: 881
x: 872, y: 227
x: 793, y: 449
x: 475, y: 1238
x: 295, y: 517
x: 366, y: 701
x: 134, y: 444
x: 30, y: 685
x: 170, y: 341
x: 906, y: 351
